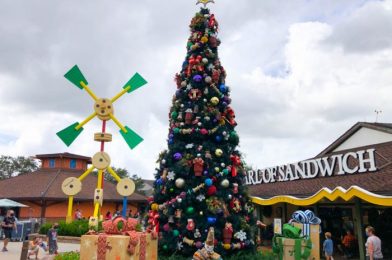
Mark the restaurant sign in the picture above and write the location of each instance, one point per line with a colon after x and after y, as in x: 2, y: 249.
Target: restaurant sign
x: 334, y: 165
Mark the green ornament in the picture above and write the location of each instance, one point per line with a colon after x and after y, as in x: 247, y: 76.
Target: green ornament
x: 164, y: 247
x: 190, y: 210
x: 171, y: 190
x: 225, y: 171
x: 233, y: 134
x: 176, y: 233
x: 176, y: 130
x: 174, y: 115
x: 217, y: 169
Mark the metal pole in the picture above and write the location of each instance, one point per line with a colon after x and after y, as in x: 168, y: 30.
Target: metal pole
x: 124, y: 209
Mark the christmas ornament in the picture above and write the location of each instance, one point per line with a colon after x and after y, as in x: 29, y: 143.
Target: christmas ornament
x: 176, y: 233
x: 235, y: 188
x: 214, y: 101
x: 200, y: 197
x: 211, y: 190
x: 197, y: 78
x: 218, y: 152
x: 197, y: 233
x: 208, y: 80
x: 179, y: 245
x: 207, y: 253
x: 188, y: 241
x: 191, y: 225
x: 180, y: 183
x: 227, y: 233
x: 166, y: 227
x: 178, y: 213
x: 170, y: 176
x: 241, y: 235
x: 211, y: 220
x: 208, y: 182
x: 179, y: 200
x: 249, y: 207
x: 199, y: 244
x: 177, y: 156
x: 190, y: 210
x: 188, y: 116
x: 194, y: 94
x: 198, y: 164
x: 205, y: 60
x: 235, y: 205
x: 236, y: 162
x: 225, y: 183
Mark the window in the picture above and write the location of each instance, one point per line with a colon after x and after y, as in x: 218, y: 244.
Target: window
x: 52, y: 163
x: 72, y: 164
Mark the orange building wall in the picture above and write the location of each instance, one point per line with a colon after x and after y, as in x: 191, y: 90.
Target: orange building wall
x: 59, y: 210
x: 64, y: 163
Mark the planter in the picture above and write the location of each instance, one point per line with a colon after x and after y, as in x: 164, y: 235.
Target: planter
x: 60, y: 239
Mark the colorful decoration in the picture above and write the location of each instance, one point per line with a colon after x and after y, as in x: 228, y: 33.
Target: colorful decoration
x: 198, y: 166
x: 227, y: 233
x: 103, y: 109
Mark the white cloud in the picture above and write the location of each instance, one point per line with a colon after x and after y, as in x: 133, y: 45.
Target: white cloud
x: 299, y: 76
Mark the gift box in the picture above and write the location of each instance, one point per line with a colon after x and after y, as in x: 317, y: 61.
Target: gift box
x: 292, y: 248
x: 311, y: 231
x: 115, y: 247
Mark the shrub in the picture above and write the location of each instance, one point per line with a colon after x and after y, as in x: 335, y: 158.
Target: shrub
x: 68, y: 256
x: 76, y: 228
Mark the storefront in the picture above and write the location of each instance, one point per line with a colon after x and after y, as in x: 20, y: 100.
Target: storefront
x: 348, y: 185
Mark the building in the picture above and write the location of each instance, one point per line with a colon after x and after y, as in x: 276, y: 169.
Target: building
x: 348, y: 185
x: 41, y: 190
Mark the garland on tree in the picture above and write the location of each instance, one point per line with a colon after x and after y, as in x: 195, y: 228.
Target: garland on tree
x: 200, y: 179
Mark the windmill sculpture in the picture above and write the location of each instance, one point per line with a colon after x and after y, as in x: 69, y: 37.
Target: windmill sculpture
x: 103, y: 109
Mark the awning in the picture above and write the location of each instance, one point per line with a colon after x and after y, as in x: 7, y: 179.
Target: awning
x: 6, y: 203
x: 338, y: 192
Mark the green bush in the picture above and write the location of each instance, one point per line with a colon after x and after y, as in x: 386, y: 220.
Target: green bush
x: 68, y: 256
x: 76, y: 228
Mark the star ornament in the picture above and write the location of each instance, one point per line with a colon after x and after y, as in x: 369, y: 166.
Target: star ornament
x: 205, y: 2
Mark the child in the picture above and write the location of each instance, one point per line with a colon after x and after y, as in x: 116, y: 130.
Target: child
x: 34, y: 248
x: 328, y: 246
x: 52, y: 239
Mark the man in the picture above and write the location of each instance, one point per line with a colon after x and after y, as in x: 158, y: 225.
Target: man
x: 78, y: 215
x: 373, y: 245
x: 348, y: 244
x: 8, y: 224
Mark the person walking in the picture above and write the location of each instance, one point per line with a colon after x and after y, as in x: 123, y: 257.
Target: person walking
x: 52, y: 239
x: 328, y: 246
x: 373, y: 245
x: 8, y: 224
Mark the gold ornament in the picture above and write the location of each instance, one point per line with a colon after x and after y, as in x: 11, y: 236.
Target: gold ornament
x: 205, y: 2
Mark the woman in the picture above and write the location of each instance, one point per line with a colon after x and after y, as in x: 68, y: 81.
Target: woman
x: 373, y: 245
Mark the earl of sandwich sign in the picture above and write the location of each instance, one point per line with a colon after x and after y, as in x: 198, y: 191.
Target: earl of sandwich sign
x: 334, y: 165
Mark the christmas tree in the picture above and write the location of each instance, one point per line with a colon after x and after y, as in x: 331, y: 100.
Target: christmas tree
x: 200, y: 180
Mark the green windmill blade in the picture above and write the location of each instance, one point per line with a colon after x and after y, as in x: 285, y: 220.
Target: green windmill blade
x: 75, y: 76
x: 135, y: 82
x: 131, y: 138
x: 69, y: 134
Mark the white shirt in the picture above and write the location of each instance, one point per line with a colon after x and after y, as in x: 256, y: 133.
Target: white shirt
x: 376, y: 246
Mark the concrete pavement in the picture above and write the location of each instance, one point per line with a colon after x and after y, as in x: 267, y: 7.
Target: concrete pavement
x: 15, y: 248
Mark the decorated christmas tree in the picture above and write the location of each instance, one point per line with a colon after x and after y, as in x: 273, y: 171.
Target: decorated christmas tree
x: 200, y: 179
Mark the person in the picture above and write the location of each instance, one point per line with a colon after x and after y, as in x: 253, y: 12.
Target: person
x: 108, y: 216
x: 348, y: 244
x: 328, y: 246
x: 8, y: 224
x: 52, y: 239
x: 78, y: 214
x: 373, y: 244
x: 34, y: 248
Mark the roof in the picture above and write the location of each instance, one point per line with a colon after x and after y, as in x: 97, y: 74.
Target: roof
x: 63, y: 155
x: 6, y: 203
x: 383, y: 127
x: 46, y: 183
x: 379, y: 182
x: 149, y: 182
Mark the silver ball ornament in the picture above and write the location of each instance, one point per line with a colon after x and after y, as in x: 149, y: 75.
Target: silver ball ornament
x: 223, y: 165
x: 205, y: 60
x: 180, y: 183
x: 225, y: 183
x: 179, y: 200
x: 229, y: 196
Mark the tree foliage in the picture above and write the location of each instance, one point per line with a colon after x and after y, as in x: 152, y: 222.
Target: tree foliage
x: 13, y: 166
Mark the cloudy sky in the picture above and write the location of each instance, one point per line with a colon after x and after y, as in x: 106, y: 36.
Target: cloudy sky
x: 301, y: 72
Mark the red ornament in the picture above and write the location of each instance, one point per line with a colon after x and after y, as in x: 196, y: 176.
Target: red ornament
x: 198, y: 165
x: 194, y: 94
x: 236, y: 162
x: 227, y: 233
x: 188, y: 116
x: 211, y: 190
x: 235, y: 205
x: 191, y: 225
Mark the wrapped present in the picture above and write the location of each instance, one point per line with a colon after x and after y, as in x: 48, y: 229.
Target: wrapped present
x: 310, y: 226
x: 115, y: 247
x: 119, y: 241
x: 292, y: 248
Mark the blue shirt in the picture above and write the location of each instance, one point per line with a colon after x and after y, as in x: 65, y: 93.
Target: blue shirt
x: 328, y: 246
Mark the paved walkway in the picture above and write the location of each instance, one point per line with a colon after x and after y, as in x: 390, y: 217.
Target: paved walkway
x: 15, y: 248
